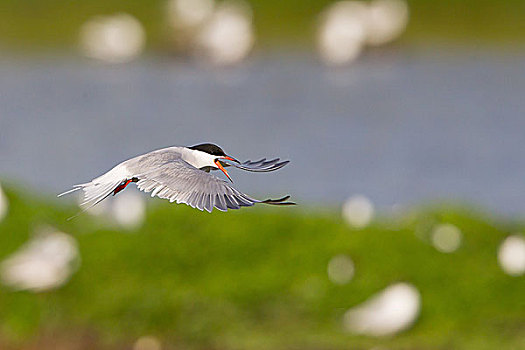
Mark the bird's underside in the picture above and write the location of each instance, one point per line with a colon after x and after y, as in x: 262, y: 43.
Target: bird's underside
x: 165, y: 174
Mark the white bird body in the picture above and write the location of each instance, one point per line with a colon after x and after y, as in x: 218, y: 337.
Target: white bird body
x: 180, y: 174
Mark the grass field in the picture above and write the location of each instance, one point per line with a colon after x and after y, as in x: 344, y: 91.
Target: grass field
x: 256, y: 279
x: 55, y: 23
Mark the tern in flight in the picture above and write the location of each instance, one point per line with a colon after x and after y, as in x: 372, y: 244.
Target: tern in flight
x: 182, y: 175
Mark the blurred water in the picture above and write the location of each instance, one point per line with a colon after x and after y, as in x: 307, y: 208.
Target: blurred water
x: 399, y: 128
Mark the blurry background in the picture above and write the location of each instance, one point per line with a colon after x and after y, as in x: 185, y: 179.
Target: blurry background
x: 404, y: 124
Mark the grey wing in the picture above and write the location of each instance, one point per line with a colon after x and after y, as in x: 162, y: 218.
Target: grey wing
x: 261, y: 166
x: 180, y: 182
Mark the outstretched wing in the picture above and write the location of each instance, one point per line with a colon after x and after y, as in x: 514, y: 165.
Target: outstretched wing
x: 261, y: 166
x: 180, y: 182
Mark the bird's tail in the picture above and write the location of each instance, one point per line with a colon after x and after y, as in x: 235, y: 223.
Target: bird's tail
x: 100, y: 188
x: 75, y: 188
x: 94, y: 193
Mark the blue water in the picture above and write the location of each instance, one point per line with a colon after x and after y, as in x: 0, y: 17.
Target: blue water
x: 401, y: 128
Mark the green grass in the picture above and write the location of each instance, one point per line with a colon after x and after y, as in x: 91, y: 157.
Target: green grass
x: 256, y: 279
x: 55, y: 23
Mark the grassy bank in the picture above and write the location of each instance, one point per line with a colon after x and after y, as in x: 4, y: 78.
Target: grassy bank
x: 55, y: 23
x: 256, y: 279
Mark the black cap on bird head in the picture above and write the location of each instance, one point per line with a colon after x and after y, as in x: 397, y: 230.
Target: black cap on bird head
x: 216, y: 151
x: 209, y: 148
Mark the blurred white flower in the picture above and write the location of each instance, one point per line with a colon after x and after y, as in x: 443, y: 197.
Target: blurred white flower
x: 116, y: 39
x: 129, y: 209
x: 386, y: 21
x: 446, y: 238
x: 228, y: 36
x: 345, y: 27
x: 340, y: 269
x: 189, y: 13
x: 4, y: 204
x: 390, y: 311
x: 511, y: 255
x: 358, y: 211
x: 342, y: 32
x: 45, y: 262
x: 147, y: 343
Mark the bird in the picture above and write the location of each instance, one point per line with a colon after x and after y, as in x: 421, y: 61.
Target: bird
x: 182, y: 175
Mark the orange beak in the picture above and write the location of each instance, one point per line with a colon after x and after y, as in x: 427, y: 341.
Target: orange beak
x: 231, y: 158
x: 219, y: 165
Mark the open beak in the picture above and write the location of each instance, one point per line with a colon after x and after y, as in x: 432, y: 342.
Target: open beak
x: 219, y: 165
x: 231, y: 158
